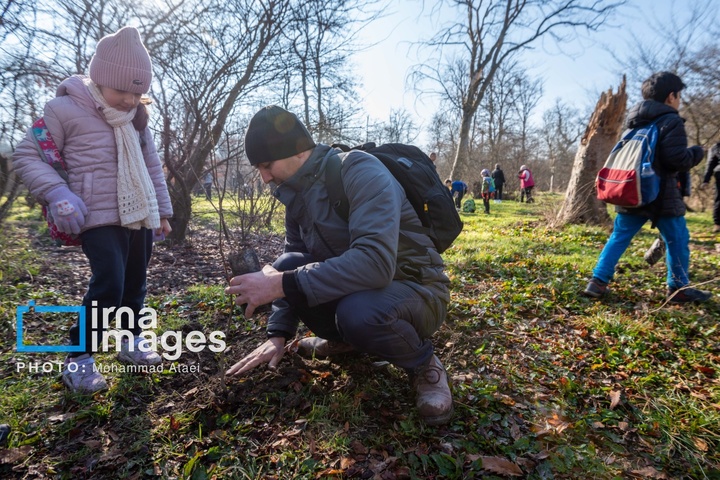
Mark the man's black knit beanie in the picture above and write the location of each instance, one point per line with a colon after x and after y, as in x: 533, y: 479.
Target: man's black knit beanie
x: 274, y: 134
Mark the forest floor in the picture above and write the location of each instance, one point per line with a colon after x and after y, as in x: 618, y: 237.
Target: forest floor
x: 547, y: 383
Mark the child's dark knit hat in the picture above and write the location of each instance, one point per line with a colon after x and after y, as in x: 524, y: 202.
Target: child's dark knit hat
x: 274, y: 134
x: 122, y: 62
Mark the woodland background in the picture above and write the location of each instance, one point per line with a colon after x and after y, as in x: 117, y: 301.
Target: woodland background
x: 217, y: 62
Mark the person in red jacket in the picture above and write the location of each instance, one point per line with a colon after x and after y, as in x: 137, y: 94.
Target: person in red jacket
x: 526, y: 184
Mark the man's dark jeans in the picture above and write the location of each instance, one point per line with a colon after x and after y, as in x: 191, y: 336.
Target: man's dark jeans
x: 393, y: 323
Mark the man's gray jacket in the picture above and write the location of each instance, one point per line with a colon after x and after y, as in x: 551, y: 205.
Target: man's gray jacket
x: 366, y: 252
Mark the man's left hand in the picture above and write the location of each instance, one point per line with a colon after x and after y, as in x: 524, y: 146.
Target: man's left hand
x: 270, y: 352
x: 256, y: 288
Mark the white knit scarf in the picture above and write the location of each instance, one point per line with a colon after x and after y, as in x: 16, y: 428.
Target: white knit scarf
x: 137, y: 202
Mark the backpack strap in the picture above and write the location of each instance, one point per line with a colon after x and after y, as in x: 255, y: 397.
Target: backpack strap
x: 333, y: 182
x: 340, y: 203
x: 47, y: 148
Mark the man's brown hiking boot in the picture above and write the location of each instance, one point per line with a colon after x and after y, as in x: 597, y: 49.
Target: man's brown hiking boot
x: 434, y: 400
x: 317, y: 347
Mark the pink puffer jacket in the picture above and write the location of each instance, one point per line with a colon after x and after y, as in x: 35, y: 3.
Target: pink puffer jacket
x: 526, y: 179
x: 87, y: 144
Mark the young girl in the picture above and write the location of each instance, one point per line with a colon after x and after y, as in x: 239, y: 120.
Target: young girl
x: 116, y: 196
x: 488, y: 189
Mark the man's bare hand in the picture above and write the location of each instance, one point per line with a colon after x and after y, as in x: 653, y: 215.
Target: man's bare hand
x: 270, y: 352
x: 256, y: 288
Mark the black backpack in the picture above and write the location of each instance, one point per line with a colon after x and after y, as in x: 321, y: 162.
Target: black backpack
x: 416, y: 173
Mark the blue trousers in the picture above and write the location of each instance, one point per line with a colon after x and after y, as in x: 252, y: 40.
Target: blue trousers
x: 119, y: 258
x: 393, y: 323
x: 675, y: 234
x: 458, y: 198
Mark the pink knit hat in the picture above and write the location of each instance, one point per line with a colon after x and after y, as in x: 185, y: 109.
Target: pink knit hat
x: 122, y: 62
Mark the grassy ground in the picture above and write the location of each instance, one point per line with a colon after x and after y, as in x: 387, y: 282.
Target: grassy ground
x: 547, y: 383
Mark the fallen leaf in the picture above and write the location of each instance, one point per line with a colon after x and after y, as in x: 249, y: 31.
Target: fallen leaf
x: 501, y: 466
x: 330, y: 472
x: 346, y: 462
x: 649, y: 472
x: 707, y: 371
x: 358, y: 448
x: 174, y: 424
x: 614, y: 398
x: 93, y: 444
x: 60, y: 417
x: 526, y: 462
x: 13, y: 455
x: 701, y: 444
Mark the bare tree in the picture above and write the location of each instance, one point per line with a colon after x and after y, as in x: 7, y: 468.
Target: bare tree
x: 400, y: 128
x: 443, y: 140
x: 204, y: 63
x: 581, y: 204
x: 678, y: 39
x: 503, y: 119
x: 322, y: 39
x: 8, y: 187
x: 491, y: 34
x: 560, y: 132
x: 529, y: 93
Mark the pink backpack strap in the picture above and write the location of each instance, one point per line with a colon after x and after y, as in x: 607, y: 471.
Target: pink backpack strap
x: 47, y: 148
x: 50, y: 153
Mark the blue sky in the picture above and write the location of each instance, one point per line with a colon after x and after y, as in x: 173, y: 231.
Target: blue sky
x: 578, y: 79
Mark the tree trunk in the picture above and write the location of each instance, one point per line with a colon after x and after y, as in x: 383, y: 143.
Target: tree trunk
x: 581, y: 204
x: 461, y: 165
x: 182, y: 209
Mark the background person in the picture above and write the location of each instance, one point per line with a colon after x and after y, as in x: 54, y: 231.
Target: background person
x: 661, y: 94
x: 713, y: 170
x: 458, y: 189
x: 526, y: 184
x: 488, y: 189
x: 498, y: 177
